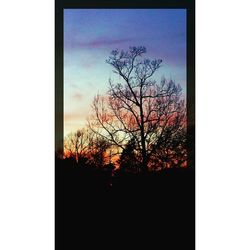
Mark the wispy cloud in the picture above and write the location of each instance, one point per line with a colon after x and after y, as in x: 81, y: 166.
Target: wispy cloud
x: 96, y: 43
x: 74, y: 86
x: 74, y: 117
x: 78, y: 96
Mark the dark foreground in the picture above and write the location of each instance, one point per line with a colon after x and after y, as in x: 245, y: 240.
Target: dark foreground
x: 150, y: 211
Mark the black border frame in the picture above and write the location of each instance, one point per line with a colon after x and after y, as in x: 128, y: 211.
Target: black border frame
x: 60, y: 5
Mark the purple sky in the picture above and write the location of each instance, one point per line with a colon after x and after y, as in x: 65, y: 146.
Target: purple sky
x: 91, y: 34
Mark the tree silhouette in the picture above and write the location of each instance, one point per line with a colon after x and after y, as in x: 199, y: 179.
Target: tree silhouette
x: 172, y: 149
x: 137, y: 107
x: 97, y: 152
x: 86, y: 146
x: 129, y: 160
x: 75, y: 144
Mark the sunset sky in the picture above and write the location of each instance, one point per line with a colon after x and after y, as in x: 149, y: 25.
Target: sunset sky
x: 90, y: 36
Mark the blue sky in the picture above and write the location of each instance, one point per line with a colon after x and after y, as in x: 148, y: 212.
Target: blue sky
x: 91, y: 34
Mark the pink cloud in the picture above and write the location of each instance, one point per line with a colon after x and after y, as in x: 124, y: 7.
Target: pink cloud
x: 78, y: 96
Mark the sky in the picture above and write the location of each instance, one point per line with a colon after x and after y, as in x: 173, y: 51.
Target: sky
x: 91, y: 34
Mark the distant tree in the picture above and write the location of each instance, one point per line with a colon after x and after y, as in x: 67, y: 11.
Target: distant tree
x: 129, y: 160
x: 97, y: 153
x: 172, y: 148
x: 75, y: 144
x: 86, y: 146
x: 136, y: 106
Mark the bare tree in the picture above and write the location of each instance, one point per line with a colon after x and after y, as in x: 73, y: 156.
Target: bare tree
x: 98, y: 155
x: 75, y: 144
x: 84, y: 144
x: 136, y: 106
x: 171, y: 150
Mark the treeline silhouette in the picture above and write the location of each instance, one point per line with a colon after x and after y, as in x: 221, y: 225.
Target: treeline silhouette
x: 113, y: 208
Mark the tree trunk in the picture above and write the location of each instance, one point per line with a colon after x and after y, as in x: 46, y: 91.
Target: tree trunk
x: 144, y: 160
x: 144, y: 152
x: 143, y: 142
